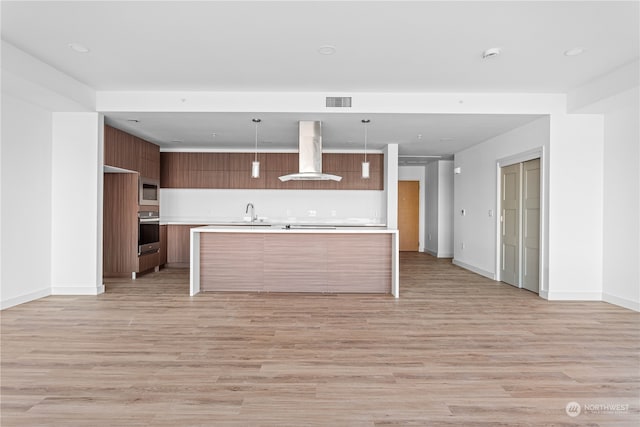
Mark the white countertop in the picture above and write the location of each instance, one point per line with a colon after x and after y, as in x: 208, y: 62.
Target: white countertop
x: 274, y: 222
x: 294, y: 229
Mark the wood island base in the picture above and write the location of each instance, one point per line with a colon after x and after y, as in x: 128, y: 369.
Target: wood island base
x: 318, y: 261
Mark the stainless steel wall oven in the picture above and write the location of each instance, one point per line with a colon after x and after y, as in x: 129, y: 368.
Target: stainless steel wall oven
x: 148, y: 232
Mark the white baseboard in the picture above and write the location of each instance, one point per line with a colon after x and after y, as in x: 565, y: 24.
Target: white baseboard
x: 573, y: 296
x: 476, y: 270
x: 622, y: 302
x: 439, y: 255
x: 12, y: 302
x: 77, y: 290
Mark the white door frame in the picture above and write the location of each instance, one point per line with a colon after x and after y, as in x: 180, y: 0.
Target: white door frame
x: 535, y: 153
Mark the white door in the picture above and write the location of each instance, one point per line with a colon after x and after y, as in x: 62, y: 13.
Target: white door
x: 510, y: 224
x: 531, y: 225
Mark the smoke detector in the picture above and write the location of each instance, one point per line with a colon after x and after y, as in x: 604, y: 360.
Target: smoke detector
x: 492, y: 52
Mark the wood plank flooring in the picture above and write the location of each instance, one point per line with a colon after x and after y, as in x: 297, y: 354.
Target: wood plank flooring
x: 455, y: 349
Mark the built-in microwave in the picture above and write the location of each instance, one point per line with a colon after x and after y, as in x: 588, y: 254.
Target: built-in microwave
x: 149, y: 191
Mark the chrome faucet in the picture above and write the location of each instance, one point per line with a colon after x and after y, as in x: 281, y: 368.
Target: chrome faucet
x: 254, y: 217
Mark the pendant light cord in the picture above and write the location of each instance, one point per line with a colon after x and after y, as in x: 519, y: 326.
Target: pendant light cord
x: 365, y: 142
x: 366, y: 123
x: 256, y: 121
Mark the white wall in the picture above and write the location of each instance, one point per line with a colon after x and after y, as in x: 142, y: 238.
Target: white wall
x: 575, y: 207
x: 417, y: 173
x: 432, y: 176
x: 445, y: 208
x: 276, y: 205
x: 475, y: 192
x: 76, y: 204
x: 621, y: 250
x: 31, y: 92
x: 572, y: 193
x: 439, y: 208
x: 26, y: 202
x: 391, y: 184
x: 617, y: 96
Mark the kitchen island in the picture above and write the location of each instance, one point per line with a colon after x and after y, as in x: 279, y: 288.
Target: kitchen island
x: 318, y: 259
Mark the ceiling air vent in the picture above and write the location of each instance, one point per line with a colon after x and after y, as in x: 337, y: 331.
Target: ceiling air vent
x: 339, y: 101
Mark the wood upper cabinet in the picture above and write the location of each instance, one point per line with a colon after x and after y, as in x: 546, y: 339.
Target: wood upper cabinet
x: 120, y: 149
x: 149, y: 160
x: 126, y: 151
x: 233, y: 171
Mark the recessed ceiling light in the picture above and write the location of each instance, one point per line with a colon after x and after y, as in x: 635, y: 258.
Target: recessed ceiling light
x: 79, y: 47
x: 574, y: 52
x: 326, y: 50
x: 492, y: 52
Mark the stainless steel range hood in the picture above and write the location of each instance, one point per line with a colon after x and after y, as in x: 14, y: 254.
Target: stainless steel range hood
x: 310, y: 154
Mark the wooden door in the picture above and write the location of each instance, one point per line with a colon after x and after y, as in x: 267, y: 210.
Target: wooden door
x: 531, y: 225
x: 510, y: 224
x: 408, y: 214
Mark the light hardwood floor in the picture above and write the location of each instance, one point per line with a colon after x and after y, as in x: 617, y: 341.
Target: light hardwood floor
x: 455, y: 349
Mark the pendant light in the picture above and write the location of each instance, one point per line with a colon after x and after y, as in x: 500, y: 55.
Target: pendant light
x: 255, y: 166
x: 365, y: 164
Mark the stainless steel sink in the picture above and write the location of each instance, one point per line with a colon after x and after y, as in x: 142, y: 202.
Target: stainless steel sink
x: 308, y: 227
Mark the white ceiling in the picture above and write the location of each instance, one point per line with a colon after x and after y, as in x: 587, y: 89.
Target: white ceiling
x: 416, y: 134
x: 393, y: 46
